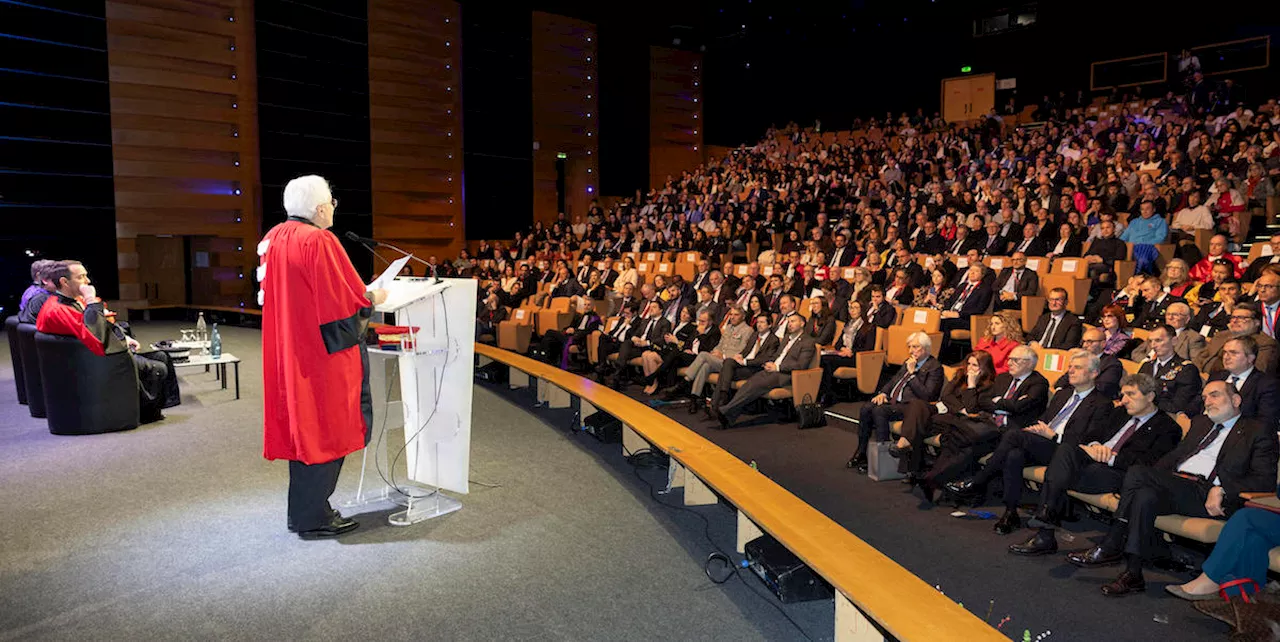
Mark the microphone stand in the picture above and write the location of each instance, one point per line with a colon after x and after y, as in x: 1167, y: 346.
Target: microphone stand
x: 365, y: 242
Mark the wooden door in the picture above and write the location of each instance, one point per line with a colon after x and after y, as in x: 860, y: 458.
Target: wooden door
x: 162, y: 269
x: 955, y: 99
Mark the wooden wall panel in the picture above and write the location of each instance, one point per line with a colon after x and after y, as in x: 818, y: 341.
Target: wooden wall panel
x: 184, y: 139
x: 675, y: 113
x: 415, y: 123
x: 565, y: 100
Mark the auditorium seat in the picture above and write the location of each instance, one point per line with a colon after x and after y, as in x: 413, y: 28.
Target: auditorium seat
x: 85, y: 393
x: 15, y: 358
x: 31, y: 369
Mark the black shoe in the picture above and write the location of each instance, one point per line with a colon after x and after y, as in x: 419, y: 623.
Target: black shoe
x: 896, y: 452
x: 1008, y: 523
x: 329, y: 509
x: 1125, y: 584
x: 726, y: 422
x: 1095, y: 557
x: 695, y: 404
x: 1043, y: 543
x: 962, y: 487
x: 337, y: 526
x: 671, y: 392
x: 859, y: 461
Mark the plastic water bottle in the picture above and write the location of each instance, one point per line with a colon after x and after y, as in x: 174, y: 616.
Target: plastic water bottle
x: 201, y: 328
x: 215, y: 343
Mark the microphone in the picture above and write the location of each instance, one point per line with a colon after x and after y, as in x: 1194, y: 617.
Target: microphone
x: 363, y: 240
x: 372, y: 243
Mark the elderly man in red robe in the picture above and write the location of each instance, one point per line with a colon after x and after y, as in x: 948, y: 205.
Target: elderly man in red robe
x: 315, y: 371
x: 75, y: 310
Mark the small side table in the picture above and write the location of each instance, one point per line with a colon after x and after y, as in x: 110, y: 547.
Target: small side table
x: 219, y: 367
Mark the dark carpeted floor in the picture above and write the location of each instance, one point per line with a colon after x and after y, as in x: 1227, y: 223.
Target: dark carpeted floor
x: 176, y: 531
x: 964, y: 558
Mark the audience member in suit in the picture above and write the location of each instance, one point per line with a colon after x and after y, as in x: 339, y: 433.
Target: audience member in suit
x: 1058, y: 329
x: 857, y: 336
x: 1223, y: 455
x: 1066, y: 244
x: 878, y: 312
x: 646, y: 332
x: 684, y: 344
x: 1136, y: 433
x: 920, y: 378
x: 706, y: 303
x: 973, y: 297
x: 491, y: 314
x: 900, y: 291
x: 1019, y: 399
x: 1102, y: 254
x: 1029, y: 243
x: 962, y: 396
x: 1110, y: 370
x: 995, y: 244
x: 1015, y: 282
x: 764, y: 347
x: 1186, y: 342
x: 915, y: 273
x: 1215, y: 316
x: 821, y: 324
x: 611, y: 340
x: 841, y: 254
x: 1155, y: 301
x: 1072, y: 412
x: 1259, y: 264
x: 735, y: 335
x: 703, y: 277
x: 1177, y: 379
x: 556, y: 342
x: 1243, y: 323
x: 1259, y: 392
x: 964, y: 242
x: 796, y: 353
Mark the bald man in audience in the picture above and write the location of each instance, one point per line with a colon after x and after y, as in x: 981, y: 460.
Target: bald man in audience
x: 1186, y: 342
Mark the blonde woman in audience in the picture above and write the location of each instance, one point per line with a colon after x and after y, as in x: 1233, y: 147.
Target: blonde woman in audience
x: 1003, y: 334
x: 1177, y: 281
x: 627, y: 274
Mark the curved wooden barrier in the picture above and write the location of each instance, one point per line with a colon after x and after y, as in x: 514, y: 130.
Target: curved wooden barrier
x: 884, y: 592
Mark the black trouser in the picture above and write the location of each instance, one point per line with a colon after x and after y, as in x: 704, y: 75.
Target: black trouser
x: 1145, y: 494
x: 830, y: 363
x: 1017, y: 450
x: 963, y: 442
x: 877, y: 418
x: 310, y: 486
x: 731, y: 371
x: 917, y: 424
x: 608, y: 345
x: 552, y: 343
x: 1074, y: 469
x: 626, y: 352
x: 157, y: 385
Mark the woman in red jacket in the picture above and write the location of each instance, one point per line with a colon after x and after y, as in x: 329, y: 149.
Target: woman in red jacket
x: 1004, y: 333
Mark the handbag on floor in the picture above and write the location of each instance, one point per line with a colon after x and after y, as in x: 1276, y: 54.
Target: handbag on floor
x: 810, y: 414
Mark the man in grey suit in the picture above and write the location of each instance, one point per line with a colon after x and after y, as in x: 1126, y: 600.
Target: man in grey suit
x: 1185, y: 342
x: 796, y: 353
x: 734, y: 337
x: 1244, y: 323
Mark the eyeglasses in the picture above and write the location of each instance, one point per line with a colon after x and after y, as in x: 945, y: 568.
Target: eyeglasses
x: 334, y: 203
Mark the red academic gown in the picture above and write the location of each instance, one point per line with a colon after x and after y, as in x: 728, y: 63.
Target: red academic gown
x: 314, y: 313
x: 68, y: 317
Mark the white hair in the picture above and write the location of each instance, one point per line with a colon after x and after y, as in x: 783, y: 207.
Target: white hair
x: 922, y: 339
x: 304, y: 194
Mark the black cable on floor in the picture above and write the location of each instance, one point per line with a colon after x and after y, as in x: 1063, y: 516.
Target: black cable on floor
x: 649, y: 458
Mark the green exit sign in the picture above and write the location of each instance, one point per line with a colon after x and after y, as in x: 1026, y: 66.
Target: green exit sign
x: 561, y: 155
x: 966, y: 69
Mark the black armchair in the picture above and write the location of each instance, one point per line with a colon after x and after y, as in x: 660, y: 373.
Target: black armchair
x: 31, y: 369
x: 15, y: 357
x: 86, y: 394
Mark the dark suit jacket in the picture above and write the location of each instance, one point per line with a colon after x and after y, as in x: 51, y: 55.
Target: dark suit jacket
x: 1066, y: 336
x: 1110, y: 372
x: 1211, y: 315
x: 659, y: 329
x: 1028, y: 285
x: 1259, y: 396
x: 1034, y: 248
x: 1025, y: 405
x: 883, y: 317
x: 821, y: 330
x: 864, y: 340
x: 977, y: 303
x: 1179, y: 386
x: 1091, y: 410
x: 846, y: 257
x: 1246, y: 463
x: 924, y: 384
x: 929, y: 245
x: 1148, y: 315
x: 1072, y: 247
x: 1155, y: 438
x: 918, y: 276
x: 995, y: 245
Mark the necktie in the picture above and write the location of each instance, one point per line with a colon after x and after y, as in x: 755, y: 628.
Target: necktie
x: 1063, y: 414
x: 1124, y: 438
x: 1049, y: 332
x: 963, y: 297
x: 1232, y: 381
x: 896, y: 393
x: 751, y: 355
x: 1204, y: 443
x: 1013, y: 386
x: 783, y: 354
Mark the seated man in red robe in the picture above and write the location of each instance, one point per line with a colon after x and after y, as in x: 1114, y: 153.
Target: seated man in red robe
x: 75, y: 310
